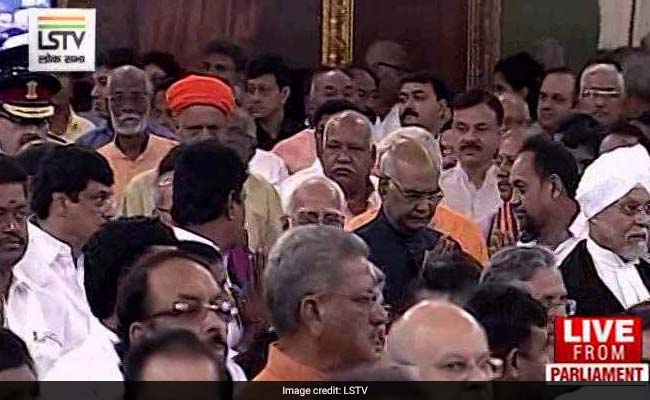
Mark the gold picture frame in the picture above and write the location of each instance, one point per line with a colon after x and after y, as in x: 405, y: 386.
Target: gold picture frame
x: 483, y: 37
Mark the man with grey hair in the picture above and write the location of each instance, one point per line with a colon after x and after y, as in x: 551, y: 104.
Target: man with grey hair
x: 602, y: 92
x: 324, y: 301
x: 533, y: 267
x: 346, y: 155
x: 317, y: 200
x: 637, y: 85
x: 133, y: 149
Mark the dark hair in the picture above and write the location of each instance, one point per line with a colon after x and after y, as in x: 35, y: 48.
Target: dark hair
x: 358, y: 67
x: 581, y: 130
x: 109, y: 254
x: 164, y: 60
x: 206, y: 174
x: 332, y: 107
x: 551, y: 158
x: 164, y: 84
x: 563, y: 71
x: 67, y: 169
x: 30, y: 158
x: 132, y: 295
x: 117, y: 57
x: 168, y: 162
x: 455, y: 274
x: 14, y: 352
x: 521, y: 70
x: 507, y: 313
x: 425, y: 77
x: 476, y: 97
x: 228, y: 49
x: 628, y: 129
x: 270, y: 64
x: 11, y: 171
x: 174, y: 341
x: 641, y: 310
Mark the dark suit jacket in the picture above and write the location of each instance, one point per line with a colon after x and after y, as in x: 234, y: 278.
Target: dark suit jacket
x: 585, y: 286
x: 399, y: 256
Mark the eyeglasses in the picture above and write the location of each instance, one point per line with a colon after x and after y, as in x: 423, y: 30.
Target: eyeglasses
x: 632, y: 209
x: 569, y: 306
x: 457, y: 370
x: 414, y: 197
x: 611, y: 94
x: 198, y: 312
x: 321, y: 217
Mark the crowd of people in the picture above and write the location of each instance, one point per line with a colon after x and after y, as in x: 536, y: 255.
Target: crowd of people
x: 196, y: 222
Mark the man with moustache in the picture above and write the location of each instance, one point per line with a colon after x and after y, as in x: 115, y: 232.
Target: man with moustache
x: 14, y: 210
x: 134, y: 150
x: 606, y: 272
x: 502, y: 229
x: 71, y: 199
x: 471, y: 187
x: 423, y: 101
x: 544, y: 178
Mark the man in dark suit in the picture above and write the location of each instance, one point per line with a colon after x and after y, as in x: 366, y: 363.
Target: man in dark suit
x: 399, y: 237
x: 605, y: 273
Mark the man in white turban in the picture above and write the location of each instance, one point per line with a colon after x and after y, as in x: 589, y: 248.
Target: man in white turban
x: 605, y: 273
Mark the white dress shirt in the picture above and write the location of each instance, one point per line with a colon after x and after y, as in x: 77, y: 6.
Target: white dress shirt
x: 462, y: 196
x: 621, y: 278
x: 565, y: 248
x: 94, y: 360
x: 47, y: 305
x: 235, y: 330
x: 390, y: 123
x: 268, y: 166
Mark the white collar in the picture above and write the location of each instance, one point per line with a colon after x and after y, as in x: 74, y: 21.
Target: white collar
x: 621, y: 278
x: 184, y: 234
x: 459, y: 172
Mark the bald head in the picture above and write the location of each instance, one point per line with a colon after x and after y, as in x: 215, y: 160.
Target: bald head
x: 318, y: 195
x: 516, y: 114
x: 407, y: 156
x: 434, y: 334
x: 129, y: 100
x: 330, y: 85
x: 388, y: 52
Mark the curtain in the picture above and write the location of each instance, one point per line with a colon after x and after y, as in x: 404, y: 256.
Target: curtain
x: 183, y: 27
x: 623, y: 22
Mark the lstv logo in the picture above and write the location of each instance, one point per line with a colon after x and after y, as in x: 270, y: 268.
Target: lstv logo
x: 58, y: 29
x: 600, y: 349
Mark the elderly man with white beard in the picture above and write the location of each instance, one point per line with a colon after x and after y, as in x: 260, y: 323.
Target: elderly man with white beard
x: 605, y: 273
x: 133, y: 150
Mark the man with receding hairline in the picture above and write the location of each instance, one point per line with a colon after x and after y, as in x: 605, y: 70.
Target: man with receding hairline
x: 602, y: 92
x: 399, y: 236
x: 516, y: 116
x: 443, y: 342
x: 134, y: 150
x: 318, y: 200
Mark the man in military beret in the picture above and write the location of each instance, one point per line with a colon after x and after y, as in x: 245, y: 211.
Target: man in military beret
x: 25, y: 106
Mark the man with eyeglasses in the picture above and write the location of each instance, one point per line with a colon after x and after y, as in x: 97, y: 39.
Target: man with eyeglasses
x: 516, y: 327
x: 444, y: 343
x: 133, y: 150
x: 330, y: 319
x: 602, y: 92
x: 318, y: 200
x: 71, y: 199
x: 174, y: 288
x: 535, y: 267
x: 606, y: 272
x: 399, y: 236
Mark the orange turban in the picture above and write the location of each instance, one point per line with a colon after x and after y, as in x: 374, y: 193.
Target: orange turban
x: 200, y: 90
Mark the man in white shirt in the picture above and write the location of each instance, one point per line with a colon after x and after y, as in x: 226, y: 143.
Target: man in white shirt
x: 72, y: 199
x: 108, y: 257
x: 544, y: 179
x: 605, y: 273
x: 13, y: 224
x: 471, y: 186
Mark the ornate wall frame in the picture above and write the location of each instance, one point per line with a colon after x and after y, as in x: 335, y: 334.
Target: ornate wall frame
x: 483, y: 36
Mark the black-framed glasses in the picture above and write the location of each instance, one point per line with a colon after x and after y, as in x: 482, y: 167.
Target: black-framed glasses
x: 197, y: 311
x: 569, y: 306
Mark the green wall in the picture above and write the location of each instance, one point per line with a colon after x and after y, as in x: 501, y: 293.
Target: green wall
x: 573, y: 22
